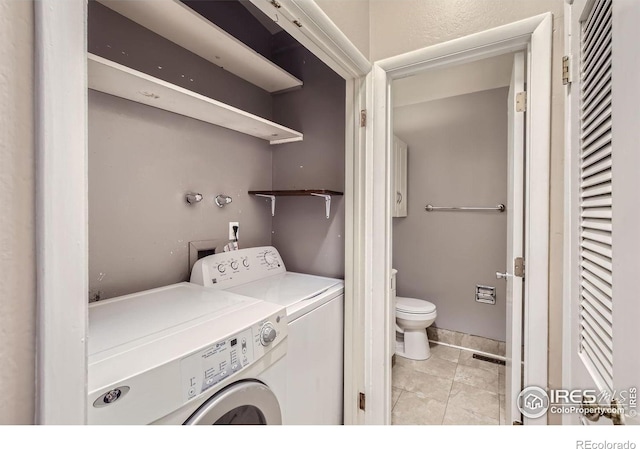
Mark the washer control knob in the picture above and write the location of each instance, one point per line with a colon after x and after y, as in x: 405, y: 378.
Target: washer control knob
x: 267, y: 334
x: 234, y: 265
x: 270, y: 258
x: 245, y: 262
x: 221, y: 268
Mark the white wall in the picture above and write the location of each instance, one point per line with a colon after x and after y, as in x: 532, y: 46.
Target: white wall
x: 17, y: 228
x: 399, y: 26
x: 352, y: 17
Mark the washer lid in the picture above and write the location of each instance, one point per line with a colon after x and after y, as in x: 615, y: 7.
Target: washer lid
x: 287, y: 288
x: 413, y: 305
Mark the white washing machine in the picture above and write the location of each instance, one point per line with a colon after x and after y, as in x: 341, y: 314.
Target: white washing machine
x: 184, y: 354
x: 315, y: 312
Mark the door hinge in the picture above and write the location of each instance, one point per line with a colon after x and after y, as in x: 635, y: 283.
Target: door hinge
x: 521, y: 102
x: 276, y: 4
x: 566, y: 70
x: 518, y: 267
x: 517, y: 423
x: 363, y: 118
x: 361, y: 401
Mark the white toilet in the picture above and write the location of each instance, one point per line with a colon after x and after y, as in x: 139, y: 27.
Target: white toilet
x: 413, y: 317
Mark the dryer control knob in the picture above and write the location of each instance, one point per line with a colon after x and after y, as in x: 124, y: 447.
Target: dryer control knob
x: 267, y: 334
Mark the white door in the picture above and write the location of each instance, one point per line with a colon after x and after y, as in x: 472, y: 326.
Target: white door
x: 602, y: 269
x: 515, y: 238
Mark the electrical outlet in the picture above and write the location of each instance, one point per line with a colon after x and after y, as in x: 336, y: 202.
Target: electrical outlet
x: 232, y: 235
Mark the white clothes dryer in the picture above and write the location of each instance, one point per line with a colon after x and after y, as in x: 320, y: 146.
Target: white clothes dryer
x: 184, y: 354
x: 315, y: 313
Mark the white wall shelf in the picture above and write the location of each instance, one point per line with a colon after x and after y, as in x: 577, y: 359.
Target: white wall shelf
x: 115, y: 79
x: 181, y: 25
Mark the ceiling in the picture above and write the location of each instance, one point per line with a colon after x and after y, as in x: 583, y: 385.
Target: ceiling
x: 485, y: 74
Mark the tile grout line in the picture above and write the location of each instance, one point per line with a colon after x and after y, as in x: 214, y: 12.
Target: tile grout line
x: 394, y: 404
x: 446, y: 407
x: 473, y: 412
x: 452, y: 379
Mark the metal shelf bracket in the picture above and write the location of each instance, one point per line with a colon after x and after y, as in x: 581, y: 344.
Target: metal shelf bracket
x: 327, y: 202
x: 273, y: 202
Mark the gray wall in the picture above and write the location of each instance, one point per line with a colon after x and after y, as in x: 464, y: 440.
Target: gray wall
x: 17, y: 220
x: 143, y: 160
x: 307, y: 241
x: 457, y: 156
x: 121, y: 40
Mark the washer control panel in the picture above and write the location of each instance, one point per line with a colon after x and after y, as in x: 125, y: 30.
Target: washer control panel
x: 227, y: 270
x: 218, y: 361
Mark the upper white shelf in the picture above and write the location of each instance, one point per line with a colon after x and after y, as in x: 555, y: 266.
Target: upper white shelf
x: 115, y: 79
x: 180, y: 24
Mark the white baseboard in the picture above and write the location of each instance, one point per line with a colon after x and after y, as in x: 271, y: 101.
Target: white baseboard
x: 486, y: 354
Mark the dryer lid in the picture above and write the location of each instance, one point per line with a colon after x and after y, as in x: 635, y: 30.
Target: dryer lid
x: 152, y: 314
x: 413, y: 305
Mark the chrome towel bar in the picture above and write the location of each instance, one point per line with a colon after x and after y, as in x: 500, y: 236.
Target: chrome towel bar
x: 430, y: 208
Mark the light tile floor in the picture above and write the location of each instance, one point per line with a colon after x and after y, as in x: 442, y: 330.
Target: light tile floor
x: 451, y: 387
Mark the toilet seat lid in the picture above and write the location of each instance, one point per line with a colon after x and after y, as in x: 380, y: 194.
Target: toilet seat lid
x: 413, y: 305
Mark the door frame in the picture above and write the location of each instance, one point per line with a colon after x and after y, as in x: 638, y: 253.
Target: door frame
x: 62, y: 198
x: 534, y: 35
x: 61, y: 211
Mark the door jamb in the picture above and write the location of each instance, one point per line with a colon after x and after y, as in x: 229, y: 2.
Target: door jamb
x: 61, y: 211
x: 535, y: 36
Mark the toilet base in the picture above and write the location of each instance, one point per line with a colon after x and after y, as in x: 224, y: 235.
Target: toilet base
x: 413, y: 344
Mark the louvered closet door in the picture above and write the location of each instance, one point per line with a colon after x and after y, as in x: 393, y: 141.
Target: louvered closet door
x: 596, y: 233
x: 592, y: 120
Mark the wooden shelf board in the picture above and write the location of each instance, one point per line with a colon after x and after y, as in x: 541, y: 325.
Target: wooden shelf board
x: 180, y: 24
x: 295, y: 192
x: 115, y: 79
